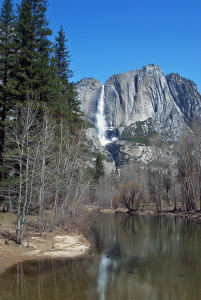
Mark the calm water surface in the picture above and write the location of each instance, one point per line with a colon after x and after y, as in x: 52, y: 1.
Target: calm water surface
x: 136, y: 257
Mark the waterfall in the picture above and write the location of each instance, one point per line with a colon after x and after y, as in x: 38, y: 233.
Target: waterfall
x: 101, y: 125
x: 100, y: 120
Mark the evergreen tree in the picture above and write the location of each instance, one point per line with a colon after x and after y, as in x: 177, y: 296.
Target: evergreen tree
x: 6, y: 66
x: 33, y: 50
x: 67, y: 103
x: 99, y: 168
x: 62, y: 56
x: 42, y: 64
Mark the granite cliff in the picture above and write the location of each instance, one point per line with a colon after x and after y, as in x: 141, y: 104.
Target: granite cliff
x: 89, y: 90
x: 138, y: 104
x: 185, y: 95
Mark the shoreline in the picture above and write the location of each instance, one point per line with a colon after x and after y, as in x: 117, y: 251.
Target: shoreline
x: 193, y: 217
x: 59, y: 244
x: 50, y: 245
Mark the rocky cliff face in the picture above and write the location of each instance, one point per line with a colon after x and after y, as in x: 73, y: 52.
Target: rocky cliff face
x: 140, y: 95
x: 185, y: 95
x: 139, y: 103
x: 89, y: 90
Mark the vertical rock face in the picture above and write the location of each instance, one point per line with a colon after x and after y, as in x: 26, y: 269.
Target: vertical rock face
x: 140, y: 95
x: 136, y: 96
x: 185, y: 95
x: 139, y: 103
x: 89, y: 90
x: 126, y: 103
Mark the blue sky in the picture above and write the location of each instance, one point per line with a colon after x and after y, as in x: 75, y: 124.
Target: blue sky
x: 113, y: 36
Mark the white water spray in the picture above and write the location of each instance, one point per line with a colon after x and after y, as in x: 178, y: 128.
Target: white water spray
x: 100, y: 120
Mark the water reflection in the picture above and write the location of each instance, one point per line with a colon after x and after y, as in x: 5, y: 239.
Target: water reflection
x: 159, y: 257
x: 137, y: 257
x: 108, y: 267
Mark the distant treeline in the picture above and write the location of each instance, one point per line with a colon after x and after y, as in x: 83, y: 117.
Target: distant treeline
x: 170, y: 178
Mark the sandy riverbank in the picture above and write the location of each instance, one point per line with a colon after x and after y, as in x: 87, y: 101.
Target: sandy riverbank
x: 49, y: 245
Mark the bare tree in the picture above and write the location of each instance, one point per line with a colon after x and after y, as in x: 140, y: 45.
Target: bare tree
x: 187, y: 168
x: 46, y: 170
x: 157, y: 168
x: 196, y: 127
x: 69, y: 173
x: 106, y: 189
x: 132, y: 195
x: 44, y: 166
x: 21, y: 159
x: 132, y: 191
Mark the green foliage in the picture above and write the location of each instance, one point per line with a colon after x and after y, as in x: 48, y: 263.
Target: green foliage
x: 32, y: 71
x: 62, y: 56
x: 67, y: 104
x: 6, y: 67
x: 6, y: 54
x: 32, y: 51
x: 42, y: 153
x: 140, y: 132
x: 99, y: 168
x: 6, y: 57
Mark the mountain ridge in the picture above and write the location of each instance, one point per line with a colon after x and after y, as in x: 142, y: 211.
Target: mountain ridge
x: 143, y: 100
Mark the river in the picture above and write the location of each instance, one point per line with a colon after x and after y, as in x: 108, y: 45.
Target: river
x: 134, y: 257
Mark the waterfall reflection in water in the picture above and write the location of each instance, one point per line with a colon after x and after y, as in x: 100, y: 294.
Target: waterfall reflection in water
x: 141, y: 258
x: 106, y: 274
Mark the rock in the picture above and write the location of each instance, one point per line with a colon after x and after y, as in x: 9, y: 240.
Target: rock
x: 137, y: 96
x: 185, y: 95
x: 118, y: 155
x: 125, y: 151
x: 96, y: 147
x: 89, y: 90
x: 138, y: 104
x: 93, y: 141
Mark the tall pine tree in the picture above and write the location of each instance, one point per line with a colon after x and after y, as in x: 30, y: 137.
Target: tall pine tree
x: 67, y: 102
x: 99, y: 168
x: 6, y: 67
x: 62, y: 56
x: 33, y: 51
